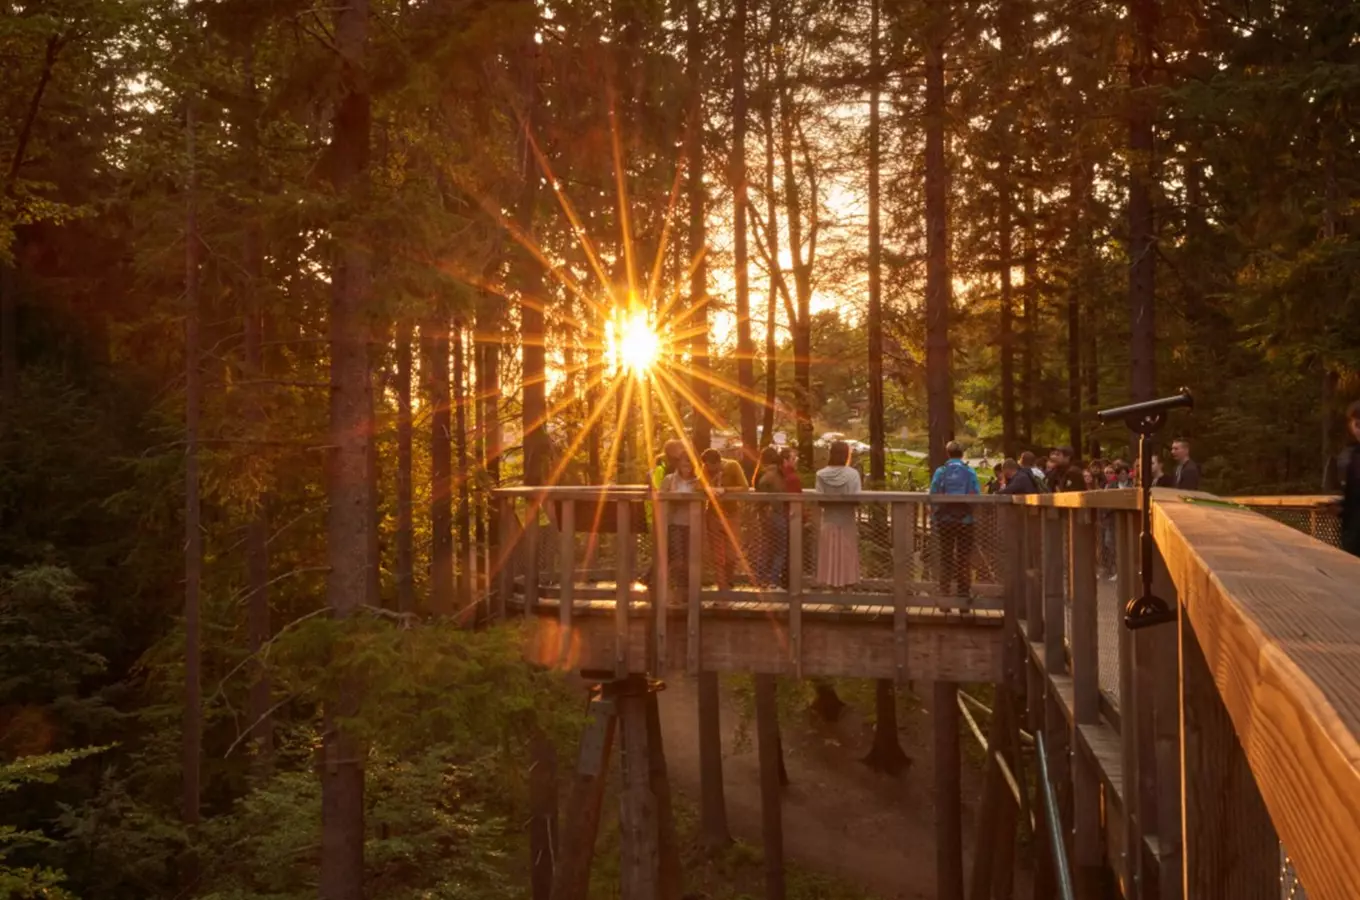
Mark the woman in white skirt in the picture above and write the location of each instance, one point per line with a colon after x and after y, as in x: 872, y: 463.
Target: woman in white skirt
x: 838, y: 537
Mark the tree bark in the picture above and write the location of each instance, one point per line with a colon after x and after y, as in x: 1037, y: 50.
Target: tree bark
x: 771, y: 227
x: 1030, y: 312
x: 191, y: 748
x: 771, y: 814
x: 712, y: 802
x: 405, y: 562
x: 886, y: 754
x: 1008, y: 28
x: 529, y: 284
x: 939, y: 290
x: 342, y: 764
x: 878, y: 468
x: 1142, y: 223
x: 434, y: 364
x: 695, y: 57
x: 745, y: 348
x: 801, y: 326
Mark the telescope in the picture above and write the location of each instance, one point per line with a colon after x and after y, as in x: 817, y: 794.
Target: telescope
x: 1146, y: 419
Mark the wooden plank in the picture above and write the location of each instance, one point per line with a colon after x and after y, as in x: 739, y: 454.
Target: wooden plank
x: 530, y: 544
x: 959, y: 652
x: 670, y: 871
x: 1055, y: 620
x: 1231, y: 849
x: 696, y: 583
x: 661, y: 581
x: 796, y: 587
x: 567, y: 564
x: 948, y: 799
x: 505, y: 577
x: 1277, y: 617
x: 624, y: 589
x: 1081, y: 585
x: 1164, y: 650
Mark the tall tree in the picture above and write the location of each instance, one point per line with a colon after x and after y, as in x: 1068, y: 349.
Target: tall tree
x: 1008, y: 28
x: 939, y: 287
x: 697, y: 199
x: 405, y: 537
x: 745, y: 348
x: 878, y: 470
x: 528, y: 274
x: 348, y: 521
x: 192, y: 752
x: 1142, y: 224
x: 434, y: 364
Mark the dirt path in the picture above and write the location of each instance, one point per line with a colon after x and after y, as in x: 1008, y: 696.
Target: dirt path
x: 839, y: 817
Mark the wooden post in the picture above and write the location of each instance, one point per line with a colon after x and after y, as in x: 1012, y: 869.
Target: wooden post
x: 505, y: 578
x: 1164, y: 644
x: 571, y: 880
x: 948, y: 799
x: 543, y: 847
x: 623, y: 539
x: 696, y: 582
x: 1126, y: 560
x: 902, y: 519
x: 1056, y: 728
x: 771, y: 816
x: 530, y: 543
x: 1231, y: 850
x: 639, y: 843
x: 994, y: 850
x: 1087, y: 843
x: 1034, y: 613
x: 796, y: 586
x: 661, y: 583
x: 567, y: 564
x: 668, y: 845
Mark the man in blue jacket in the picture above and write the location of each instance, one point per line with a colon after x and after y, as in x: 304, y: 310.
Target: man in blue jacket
x: 954, y: 521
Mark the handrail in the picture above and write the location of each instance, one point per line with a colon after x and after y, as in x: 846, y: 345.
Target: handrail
x: 1053, y: 819
x: 1301, y: 500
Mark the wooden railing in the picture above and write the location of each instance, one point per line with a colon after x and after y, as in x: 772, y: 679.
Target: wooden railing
x: 1227, y: 733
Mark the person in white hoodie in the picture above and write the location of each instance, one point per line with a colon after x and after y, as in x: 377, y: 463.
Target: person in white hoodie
x: 838, y: 537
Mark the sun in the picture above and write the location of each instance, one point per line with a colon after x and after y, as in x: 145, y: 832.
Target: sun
x: 632, y: 343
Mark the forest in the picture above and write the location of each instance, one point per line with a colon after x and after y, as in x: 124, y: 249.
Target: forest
x: 286, y: 288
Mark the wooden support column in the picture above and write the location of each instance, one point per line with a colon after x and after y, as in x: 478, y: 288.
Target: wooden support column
x: 1163, y: 643
x: 1231, y: 851
x: 623, y: 540
x: 505, y: 578
x: 771, y: 814
x: 796, y: 586
x: 712, y: 801
x: 903, y: 515
x: 661, y: 586
x: 1126, y: 560
x: 530, y: 544
x: 543, y: 847
x: 1087, y: 842
x: 668, y: 845
x: 566, y: 563
x: 948, y: 801
x: 1034, y: 613
x: 639, y: 821
x: 697, y: 537
x: 571, y: 879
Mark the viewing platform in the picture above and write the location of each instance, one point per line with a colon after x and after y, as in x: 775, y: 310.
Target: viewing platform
x: 1174, y: 762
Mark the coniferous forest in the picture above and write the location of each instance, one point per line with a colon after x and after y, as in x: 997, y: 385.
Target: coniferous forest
x: 286, y: 288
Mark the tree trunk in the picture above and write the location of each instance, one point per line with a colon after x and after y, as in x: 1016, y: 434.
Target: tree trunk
x: 771, y: 814
x: 463, y: 519
x: 406, y: 587
x: 745, y: 348
x: 257, y: 529
x: 373, y: 473
x: 342, y: 764
x: 1029, y: 351
x: 191, y: 750
x: 886, y: 754
x: 1005, y: 232
x: 528, y: 279
x: 771, y: 229
x: 878, y: 468
x: 695, y: 58
x: 801, y: 326
x: 1142, y: 225
x: 1074, y: 370
x: 434, y: 364
x: 939, y: 290
x: 712, y: 802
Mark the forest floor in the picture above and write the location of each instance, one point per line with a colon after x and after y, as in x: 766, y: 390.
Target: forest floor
x: 841, y: 819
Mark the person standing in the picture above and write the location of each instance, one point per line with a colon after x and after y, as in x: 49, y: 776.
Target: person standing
x: 1019, y: 479
x: 838, y: 535
x: 722, y: 476
x: 788, y: 464
x: 1064, y: 476
x: 773, y: 559
x: 1187, y: 470
x: 1030, y: 463
x: 684, y: 480
x: 954, y: 521
x: 1348, y: 468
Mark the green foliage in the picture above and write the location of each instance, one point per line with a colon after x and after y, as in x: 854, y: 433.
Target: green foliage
x: 36, y: 882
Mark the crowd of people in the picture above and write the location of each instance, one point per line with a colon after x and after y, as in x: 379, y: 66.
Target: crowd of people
x: 766, y: 561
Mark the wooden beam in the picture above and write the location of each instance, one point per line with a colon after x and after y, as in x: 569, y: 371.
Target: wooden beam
x: 639, y: 827
x: 796, y: 587
x: 1136, y: 887
x: 695, y: 584
x: 948, y: 798
x: 903, y: 516
x: 567, y: 565
x: 1163, y: 645
x: 571, y: 880
x: 661, y: 584
x: 623, y: 594
x: 670, y: 871
x: 1087, y: 849
x: 771, y: 814
x: 1277, y: 617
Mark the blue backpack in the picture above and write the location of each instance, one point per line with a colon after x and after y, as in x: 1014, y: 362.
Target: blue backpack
x: 956, y: 479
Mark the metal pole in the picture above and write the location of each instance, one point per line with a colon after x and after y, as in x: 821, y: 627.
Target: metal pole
x: 1051, y: 818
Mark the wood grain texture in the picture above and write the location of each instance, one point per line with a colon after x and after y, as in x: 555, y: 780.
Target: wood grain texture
x: 585, y: 803
x: 1277, y: 615
x: 954, y: 649
x: 623, y: 594
x: 639, y: 830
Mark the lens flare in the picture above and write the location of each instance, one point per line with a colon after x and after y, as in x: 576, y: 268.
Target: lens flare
x: 631, y: 342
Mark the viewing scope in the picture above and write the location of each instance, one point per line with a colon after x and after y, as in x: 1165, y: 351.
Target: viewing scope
x: 1146, y: 419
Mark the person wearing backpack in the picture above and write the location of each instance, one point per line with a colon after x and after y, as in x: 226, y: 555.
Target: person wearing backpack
x: 954, y: 521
